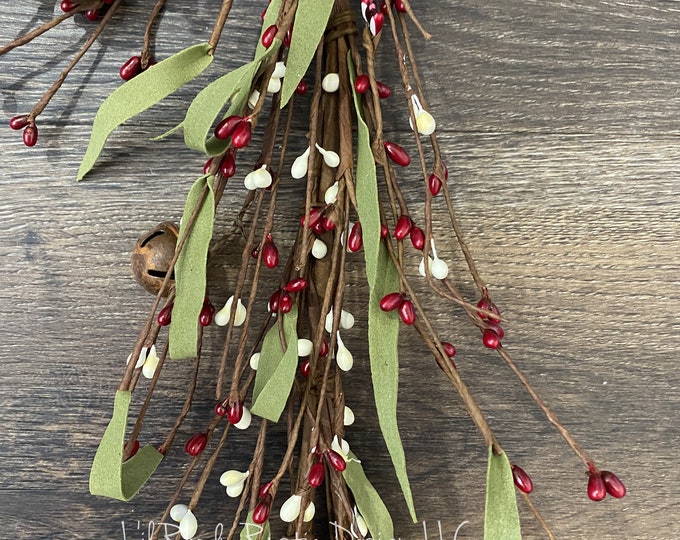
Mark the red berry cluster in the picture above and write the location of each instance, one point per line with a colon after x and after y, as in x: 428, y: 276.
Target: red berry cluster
x: 601, y: 483
x: 373, y: 16
x: 398, y: 301
x: 281, y: 299
x: 362, y: 84
x: 91, y: 14
x: 239, y: 128
x: 233, y: 410
x: 28, y: 125
x: 305, y: 366
x: 205, y: 317
x: 493, y: 333
x: 261, y: 510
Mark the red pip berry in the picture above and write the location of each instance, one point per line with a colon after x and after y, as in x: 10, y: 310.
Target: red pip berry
x: 30, y: 135
x: 384, y: 231
x: 19, y: 122
x: 165, y: 316
x: 384, y: 91
x: 316, y: 474
x: 196, y: 444
x: 205, y: 317
x: 226, y: 127
x: 92, y: 14
x: 488, y: 305
x: 490, y: 339
x: 391, y: 301
x: 522, y: 479
x: 274, y: 301
x: 497, y: 328
x: 285, y: 302
x: 228, y: 165
x: 305, y: 368
x: 261, y: 512
x: 242, y: 134
x: 418, y: 238
x: 131, y: 68
x: 375, y: 24
x: 207, y: 165
x: 449, y: 349
x: 264, y: 490
x: 288, y: 37
x: 355, y: 240
x: 400, y: 6
x: 362, y: 84
x: 613, y: 485
x: 597, y: 490
x: 301, y: 88
x: 235, y: 412
x: 296, y: 285
x: 220, y: 409
x: 397, y: 154
x: 407, y: 312
x: 270, y: 254
x: 268, y: 36
x: 434, y: 184
x: 315, y: 215
x: 403, y: 227
x: 324, y: 348
x: 133, y: 450
x: 327, y: 224
x: 67, y: 5
x: 336, y: 460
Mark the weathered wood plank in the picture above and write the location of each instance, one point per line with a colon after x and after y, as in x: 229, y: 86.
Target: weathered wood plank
x: 559, y: 124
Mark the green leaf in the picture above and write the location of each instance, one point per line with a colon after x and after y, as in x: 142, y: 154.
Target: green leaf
x: 368, y: 501
x: 253, y: 531
x: 311, y: 19
x: 383, y: 328
x: 190, y: 270
x: 109, y: 475
x: 501, y: 518
x: 207, y: 105
x: 276, y: 369
x: 140, y: 93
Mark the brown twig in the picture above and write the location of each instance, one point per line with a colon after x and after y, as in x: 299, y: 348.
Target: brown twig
x: 47, y: 96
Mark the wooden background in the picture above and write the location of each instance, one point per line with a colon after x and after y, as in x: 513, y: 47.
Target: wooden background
x: 559, y: 123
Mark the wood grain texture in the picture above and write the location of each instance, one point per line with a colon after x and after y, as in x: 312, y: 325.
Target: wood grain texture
x: 559, y: 124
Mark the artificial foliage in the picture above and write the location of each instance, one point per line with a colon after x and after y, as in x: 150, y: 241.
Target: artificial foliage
x: 288, y: 330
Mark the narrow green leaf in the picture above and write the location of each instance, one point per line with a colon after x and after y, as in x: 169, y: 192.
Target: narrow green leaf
x: 190, y: 270
x: 501, y: 518
x: 207, y: 105
x: 253, y: 531
x: 368, y: 501
x: 109, y: 475
x: 311, y: 19
x: 140, y: 93
x: 276, y: 369
x: 383, y: 328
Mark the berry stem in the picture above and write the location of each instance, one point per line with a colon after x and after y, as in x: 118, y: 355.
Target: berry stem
x: 575, y: 446
x: 537, y: 515
x: 49, y: 94
x: 219, y: 25
x: 146, y: 48
x: 31, y: 35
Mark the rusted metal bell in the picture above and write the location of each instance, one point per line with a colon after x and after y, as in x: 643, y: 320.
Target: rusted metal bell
x: 152, y: 256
